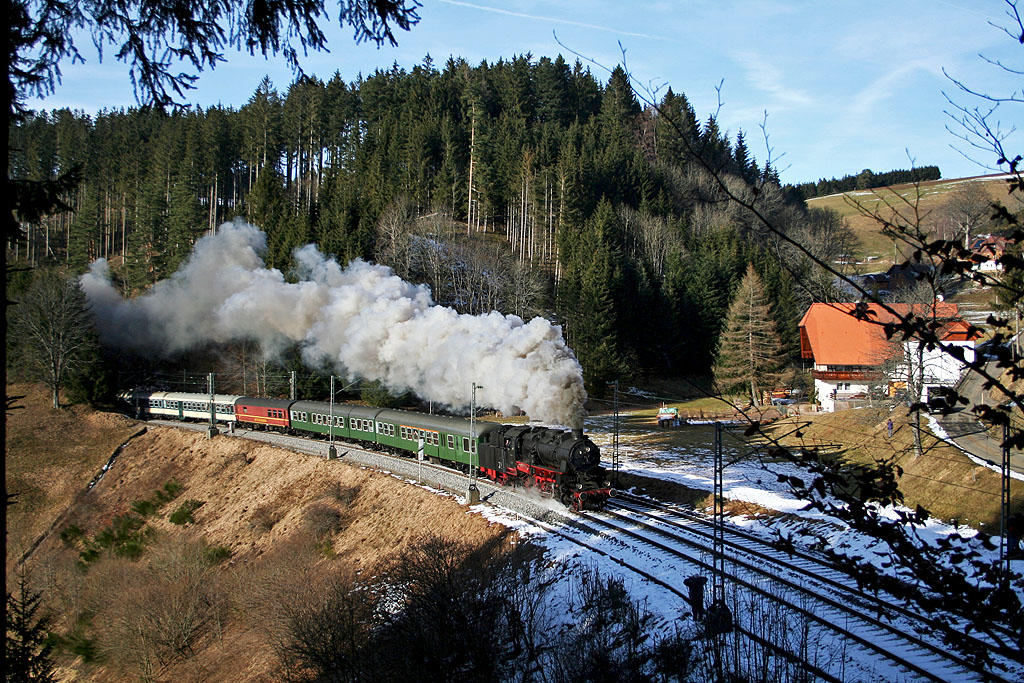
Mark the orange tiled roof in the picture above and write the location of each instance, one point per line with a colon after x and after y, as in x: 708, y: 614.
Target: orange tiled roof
x: 831, y: 335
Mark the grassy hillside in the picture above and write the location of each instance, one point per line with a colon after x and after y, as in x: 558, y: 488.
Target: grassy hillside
x: 942, y: 479
x: 181, y: 562
x: 50, y: 457
x: 924, y: 201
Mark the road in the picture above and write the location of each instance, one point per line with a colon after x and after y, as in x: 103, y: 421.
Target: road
x: 965, y: 429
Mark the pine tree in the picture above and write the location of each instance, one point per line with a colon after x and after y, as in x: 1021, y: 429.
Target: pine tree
x: 267, y: 209
x: 29, y: 653
x: 749, y: 351
x: 746, y: 165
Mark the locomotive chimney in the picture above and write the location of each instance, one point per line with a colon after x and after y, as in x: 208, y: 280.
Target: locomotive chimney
x: 577, y: 433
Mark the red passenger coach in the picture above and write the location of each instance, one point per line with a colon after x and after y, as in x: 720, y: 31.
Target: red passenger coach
x: 262, y: 411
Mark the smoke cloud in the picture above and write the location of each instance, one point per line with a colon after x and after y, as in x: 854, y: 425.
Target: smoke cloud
x: 360, y: 321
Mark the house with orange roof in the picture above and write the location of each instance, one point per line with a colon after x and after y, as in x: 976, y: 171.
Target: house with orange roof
x: 851, y: 356
x: 988, y: 249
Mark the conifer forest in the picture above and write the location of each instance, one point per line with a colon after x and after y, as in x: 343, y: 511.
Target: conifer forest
x: 529, y: 186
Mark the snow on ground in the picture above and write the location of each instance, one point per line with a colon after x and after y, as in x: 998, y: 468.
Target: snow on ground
x: 693, y: 466
x: 746, y: 479
x: 753, y: 480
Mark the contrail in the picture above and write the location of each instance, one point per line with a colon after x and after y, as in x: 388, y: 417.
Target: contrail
x: 556, y: 20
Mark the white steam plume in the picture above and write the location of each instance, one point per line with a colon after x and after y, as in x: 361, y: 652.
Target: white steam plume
x: 361, y: 320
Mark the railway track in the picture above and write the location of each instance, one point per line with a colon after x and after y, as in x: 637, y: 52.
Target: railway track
x: 828, y: 601
x: 821, y: 571
x: 664, y: 539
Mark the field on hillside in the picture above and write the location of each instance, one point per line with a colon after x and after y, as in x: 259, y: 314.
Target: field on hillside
x: 923, y: 202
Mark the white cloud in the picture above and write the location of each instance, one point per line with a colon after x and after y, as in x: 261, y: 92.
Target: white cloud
x: 769, y: 78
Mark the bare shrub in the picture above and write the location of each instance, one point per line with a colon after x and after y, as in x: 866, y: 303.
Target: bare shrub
x: 321, y: 519
x: 266, y: 516
x: 452, y: 611
x: 148, y: 615
x: 328, y: 625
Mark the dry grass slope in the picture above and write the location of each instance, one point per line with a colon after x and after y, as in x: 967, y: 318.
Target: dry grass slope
x: 50, y: 457
x: 942, y: 480
x: 924, y: 200
x: 278, y: 518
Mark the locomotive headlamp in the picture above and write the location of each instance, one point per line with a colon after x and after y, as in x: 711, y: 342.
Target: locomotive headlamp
x: 579, y: 486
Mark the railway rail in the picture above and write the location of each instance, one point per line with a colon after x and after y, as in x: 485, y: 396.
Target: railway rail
x: 829, y: 603
x: 803, y: 585
x: 819, y: 570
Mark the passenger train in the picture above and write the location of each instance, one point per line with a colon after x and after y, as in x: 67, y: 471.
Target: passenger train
x: 558, y: 463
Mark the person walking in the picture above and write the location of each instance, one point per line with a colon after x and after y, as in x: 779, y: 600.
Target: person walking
x: 888, y: 427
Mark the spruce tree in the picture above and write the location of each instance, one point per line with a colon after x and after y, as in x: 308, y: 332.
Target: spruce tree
x: 749, y: 351
x: 28, y: 652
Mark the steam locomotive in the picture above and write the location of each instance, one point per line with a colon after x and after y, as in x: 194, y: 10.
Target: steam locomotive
x: 561, y: 464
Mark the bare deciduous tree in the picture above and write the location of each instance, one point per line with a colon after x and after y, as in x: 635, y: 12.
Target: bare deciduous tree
x: 53, y: 329
x: 394, y: 237
x: 966, y: 213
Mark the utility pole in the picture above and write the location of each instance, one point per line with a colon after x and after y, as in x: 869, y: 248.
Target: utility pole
x: 1004, y: 508
x: 419, y: 457
x: 212, y: 430
x: 331, y: 451
x: 291, y: 386
x: 615, y: 433
x: 719, y: 616
x: 473, y: 495
x: 718, y: 587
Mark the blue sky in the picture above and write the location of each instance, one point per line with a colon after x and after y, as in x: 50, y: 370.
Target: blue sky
x: 845, y: 86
